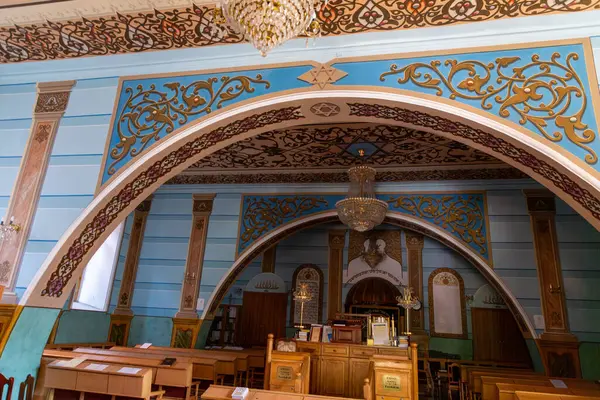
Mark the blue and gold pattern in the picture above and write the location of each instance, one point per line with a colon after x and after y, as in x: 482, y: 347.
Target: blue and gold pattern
x: 463, y: 215
x: 544, y: 89
x: 150, y: 109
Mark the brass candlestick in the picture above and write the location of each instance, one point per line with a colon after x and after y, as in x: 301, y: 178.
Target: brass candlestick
x: 407, y: 301
x: 302, y: 295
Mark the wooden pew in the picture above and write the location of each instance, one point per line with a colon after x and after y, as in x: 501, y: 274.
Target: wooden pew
x: 202, y: 368
x: 72, y: 346
x: 474, y: 375
x: 215, y: 392
x: 175, y: 379
x: 110, y: 381
x: 490, y: 389
x: 550, y: 396
x: 227, y: 363
x: 507, y: 391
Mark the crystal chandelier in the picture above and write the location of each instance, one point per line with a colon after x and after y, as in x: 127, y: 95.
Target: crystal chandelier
x: 268, y: 23
x: 7, y: 230
x: 361, y: 210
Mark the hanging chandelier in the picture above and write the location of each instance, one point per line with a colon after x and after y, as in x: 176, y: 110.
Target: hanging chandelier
x: 361, y: 210
x: 268, y: 23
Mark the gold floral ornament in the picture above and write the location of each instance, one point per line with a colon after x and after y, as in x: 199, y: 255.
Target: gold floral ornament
x: 462, y: 216
x: 150, y: 112
x: 545, y: 93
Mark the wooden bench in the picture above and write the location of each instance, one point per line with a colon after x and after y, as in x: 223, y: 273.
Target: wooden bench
x: 490, y: 384
x: 73, y: 381
x: 474, y: 374
x: 175, y: 379
x: 203, y: 368
x: 227, y: 363
x: 215, y: 392
x: 550, y: 396
x: 507, y: 391
x: 72, y: 346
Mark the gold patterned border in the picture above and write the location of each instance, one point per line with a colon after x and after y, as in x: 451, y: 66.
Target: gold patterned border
x: 193, y: 26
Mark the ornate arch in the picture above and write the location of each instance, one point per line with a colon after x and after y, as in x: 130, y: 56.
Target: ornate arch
x: 393, y: 218
x: 544, y: 162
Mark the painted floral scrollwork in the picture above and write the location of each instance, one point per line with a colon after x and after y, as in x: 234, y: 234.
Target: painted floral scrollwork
x: 262, y: 213
x: 546, y: 94
x: 462, y: 216
x: 149, y: 112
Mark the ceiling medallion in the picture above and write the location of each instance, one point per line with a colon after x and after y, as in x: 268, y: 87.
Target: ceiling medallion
x: 361, y: 210
x: 269, y: 23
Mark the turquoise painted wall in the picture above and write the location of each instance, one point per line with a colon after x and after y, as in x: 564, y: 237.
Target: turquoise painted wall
x: 79, y: 326
x: 24, y: 348
x: 155, y: 330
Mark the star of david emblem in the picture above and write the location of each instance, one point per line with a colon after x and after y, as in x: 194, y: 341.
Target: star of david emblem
x: 322, y: 76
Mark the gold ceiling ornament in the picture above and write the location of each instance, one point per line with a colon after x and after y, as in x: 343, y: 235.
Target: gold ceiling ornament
x: 361, y: 210
x: 269, y: 23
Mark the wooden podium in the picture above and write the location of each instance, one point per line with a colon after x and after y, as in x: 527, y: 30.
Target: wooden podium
x: 393, y: 377
x: 286, y: 371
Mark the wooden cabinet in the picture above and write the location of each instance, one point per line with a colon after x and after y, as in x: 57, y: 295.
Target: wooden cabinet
x: 334, y: 376
x: 359, y: 370
x: 339, y: 369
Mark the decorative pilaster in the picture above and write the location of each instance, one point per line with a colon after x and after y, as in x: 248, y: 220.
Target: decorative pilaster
x: 51, y: 103
x: 414, y: 247
x: 337, y: 240
x: 136, y: 238
x: 203, y: 204
x: 268, y: 259
x: 120, y: 320
x: 559, y: 347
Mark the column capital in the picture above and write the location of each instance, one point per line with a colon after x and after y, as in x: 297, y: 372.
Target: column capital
x: 52, y: 98
x: 540, y: 201
x: 414, y: 240
x: 337, y: 239
x: 203, y: 203
x: 144, y: 206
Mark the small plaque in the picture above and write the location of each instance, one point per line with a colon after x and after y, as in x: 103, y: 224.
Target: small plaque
x: 391, y: 382
x: 285, y: 373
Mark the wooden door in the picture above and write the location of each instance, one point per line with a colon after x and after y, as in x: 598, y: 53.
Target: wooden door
x: 496, y: 337
x: 359, y: 370
x: 264, y: 313
x: 334, y: 376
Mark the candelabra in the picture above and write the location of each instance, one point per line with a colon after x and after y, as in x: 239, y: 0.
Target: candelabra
x: 7, y: 230
x: 302, y: 295
x: 408, y: 301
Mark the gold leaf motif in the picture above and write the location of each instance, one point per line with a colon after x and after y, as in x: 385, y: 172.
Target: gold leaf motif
x: 540, y: 92
x: 149, y: 113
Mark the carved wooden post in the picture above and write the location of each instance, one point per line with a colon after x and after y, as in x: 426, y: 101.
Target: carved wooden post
x: 268, y: 259
x: 560, y: 348
x: 51, y: 103
x: 120, y: 320
x: 337, y: 240
x: 186, y: 323
x: 414, y: 246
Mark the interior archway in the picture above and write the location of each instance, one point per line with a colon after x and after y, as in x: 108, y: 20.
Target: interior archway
x: 392, y: 218
x: 542, y: 161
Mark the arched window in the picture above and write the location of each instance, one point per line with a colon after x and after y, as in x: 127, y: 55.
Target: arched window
x: 447, y: 308
x: 312, y: 276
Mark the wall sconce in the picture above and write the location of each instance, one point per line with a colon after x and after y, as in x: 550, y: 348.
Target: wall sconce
x: 7, y: 230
